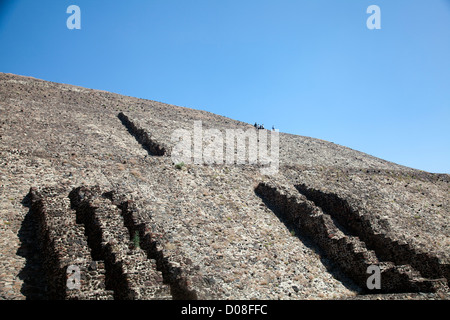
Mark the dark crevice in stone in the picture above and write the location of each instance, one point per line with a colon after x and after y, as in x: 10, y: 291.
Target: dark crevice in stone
x: 127, y: 274
x: 85, y: 215
x: 34, y: 285
x: 374, y: 236
x: 171, y: 275
x: 143, y: 137
x: 348, y: 252
x: 308, y: 240
x: 62, y: 244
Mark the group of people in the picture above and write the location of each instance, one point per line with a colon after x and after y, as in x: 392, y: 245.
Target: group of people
x: 261, y: 126
x: 258, y: 126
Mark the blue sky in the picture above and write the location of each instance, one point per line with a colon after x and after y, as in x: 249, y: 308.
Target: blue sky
x: 310, y: 68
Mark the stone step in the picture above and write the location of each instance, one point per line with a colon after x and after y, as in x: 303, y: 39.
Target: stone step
x: 349, y: 252
x: 64, y: 245
x: 374, y: 231
x: 146, y: 283
x: 130, y: 274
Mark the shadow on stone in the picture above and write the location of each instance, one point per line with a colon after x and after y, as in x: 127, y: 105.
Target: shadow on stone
x: 152, y: 147
x: 34, y: 282
x: 331, y: 267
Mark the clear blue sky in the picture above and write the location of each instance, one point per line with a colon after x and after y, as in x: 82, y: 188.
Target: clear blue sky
x: 310, y: 67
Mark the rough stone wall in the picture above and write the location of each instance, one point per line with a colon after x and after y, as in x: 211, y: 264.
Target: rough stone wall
x: 348, y: 252
x: 180, y: 282
x: 75, y: 138
x: 93, y: 239
x: 376, y: 234
x: 63, y: 244
x: 129, y: 273
x: 119, y: 256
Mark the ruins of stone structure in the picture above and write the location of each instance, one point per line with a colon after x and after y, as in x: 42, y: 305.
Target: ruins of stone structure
x: 89, y: 194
